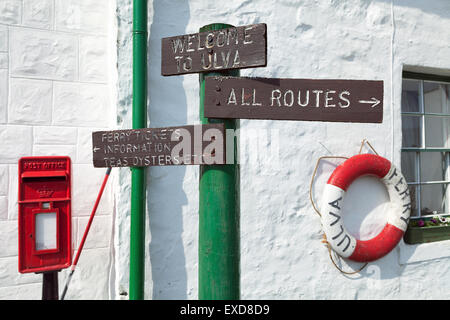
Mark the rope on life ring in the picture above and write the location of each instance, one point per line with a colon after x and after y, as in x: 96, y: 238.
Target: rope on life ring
x: 336, y: 236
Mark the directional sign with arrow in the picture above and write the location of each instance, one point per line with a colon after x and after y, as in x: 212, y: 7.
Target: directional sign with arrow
x: 294, y: 99
x: 374, y: 102
x: 182, y: 145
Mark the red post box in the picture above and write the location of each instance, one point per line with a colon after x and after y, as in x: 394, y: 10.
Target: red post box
x: 44, y: 214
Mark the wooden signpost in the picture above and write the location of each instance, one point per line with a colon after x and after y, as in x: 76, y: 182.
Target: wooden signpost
x: 184, y: 145
x: 215, y: 50
x: 224, y: 49
x: 294, y: 99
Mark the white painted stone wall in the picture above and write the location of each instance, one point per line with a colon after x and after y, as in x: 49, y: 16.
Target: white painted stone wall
x: 282, y: 256
x: 58, y: 59
x: 57, y: 85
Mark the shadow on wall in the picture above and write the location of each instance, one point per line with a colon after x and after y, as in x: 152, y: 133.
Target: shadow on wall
x: 167, y: 106
x: 437, y: 7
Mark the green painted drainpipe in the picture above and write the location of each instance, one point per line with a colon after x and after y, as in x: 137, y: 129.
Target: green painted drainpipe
x: 219, y: 213
x: 138, y: 174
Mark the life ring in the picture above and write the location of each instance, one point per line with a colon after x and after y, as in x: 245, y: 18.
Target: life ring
x: 341, y: 241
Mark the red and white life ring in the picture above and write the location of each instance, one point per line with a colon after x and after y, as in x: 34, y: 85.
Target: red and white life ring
x: 342, y: 242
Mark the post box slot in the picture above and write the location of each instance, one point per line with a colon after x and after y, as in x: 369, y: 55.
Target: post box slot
x: 53, y: 175
x: 42, y: 179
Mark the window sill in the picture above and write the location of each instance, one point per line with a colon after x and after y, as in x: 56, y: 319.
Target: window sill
x: 426, y: 243
x: 416, y: 235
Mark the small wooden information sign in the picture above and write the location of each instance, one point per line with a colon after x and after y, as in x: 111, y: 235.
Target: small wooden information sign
x: 184, y: 145
x: 294, y: 99
x: 231, y: 48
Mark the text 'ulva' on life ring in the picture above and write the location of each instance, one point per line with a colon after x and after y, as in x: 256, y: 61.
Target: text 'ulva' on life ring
x: 397, y: 214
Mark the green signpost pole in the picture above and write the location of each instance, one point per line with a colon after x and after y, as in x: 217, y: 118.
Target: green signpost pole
x: 138, y: 183
x: 219, y: 249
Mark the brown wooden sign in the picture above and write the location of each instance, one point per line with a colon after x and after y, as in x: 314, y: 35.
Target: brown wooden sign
x: 231, y: 48
x: 294, y: 99
x: 185, y: 145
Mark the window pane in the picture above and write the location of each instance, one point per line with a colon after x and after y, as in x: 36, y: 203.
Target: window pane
x: 432, y: 198
x: 409, y: 166
x: 433, y: 97
x: 435, y: 131
x: 432, y: 166
x: 446, y: 89
x: 410, y: 96
x: 413, y: 191
x: 411, y: 136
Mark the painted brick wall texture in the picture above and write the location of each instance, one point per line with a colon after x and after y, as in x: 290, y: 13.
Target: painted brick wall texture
x: 55, y: 89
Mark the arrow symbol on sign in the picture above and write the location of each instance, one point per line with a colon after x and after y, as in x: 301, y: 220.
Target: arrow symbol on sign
x: 373, y: 101
x: 96, y: 149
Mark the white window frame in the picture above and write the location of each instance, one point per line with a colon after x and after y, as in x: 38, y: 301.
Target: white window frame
x: 423, y: 148
x: 409, y: 254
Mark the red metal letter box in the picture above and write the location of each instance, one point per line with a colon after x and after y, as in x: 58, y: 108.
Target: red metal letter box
x: 44, y: 214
